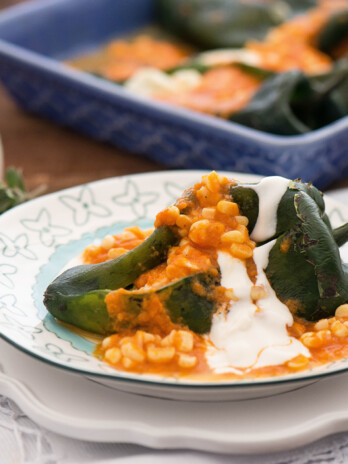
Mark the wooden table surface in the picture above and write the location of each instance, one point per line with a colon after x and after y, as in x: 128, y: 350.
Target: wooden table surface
x: 56, y: 156
x: 59, y: 157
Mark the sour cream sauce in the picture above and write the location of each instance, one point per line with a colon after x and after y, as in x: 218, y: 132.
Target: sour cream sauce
x: 253, y: 334
x: 270, y: 191
x: 149, y: 81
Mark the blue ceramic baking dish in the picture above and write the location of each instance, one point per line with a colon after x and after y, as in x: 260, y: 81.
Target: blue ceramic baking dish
x: 36, y: 36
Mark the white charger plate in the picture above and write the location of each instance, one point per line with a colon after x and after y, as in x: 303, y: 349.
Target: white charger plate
x: 39, y: 238
x: 75, y: 407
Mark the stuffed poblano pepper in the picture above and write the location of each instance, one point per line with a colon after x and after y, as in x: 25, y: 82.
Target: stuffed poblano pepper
x: 78, y: 296
x: 182, y: 275
x: 182, y: 304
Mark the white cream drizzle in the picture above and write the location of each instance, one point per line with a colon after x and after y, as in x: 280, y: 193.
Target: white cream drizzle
x: 250, y: 335
x: 149, y: 81
x: 227, y: 56
x: 270, y: 191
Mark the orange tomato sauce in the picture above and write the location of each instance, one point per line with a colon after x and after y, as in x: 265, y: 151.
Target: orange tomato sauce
x: 221, y: 92
x: 120, y: 59
x: 114, y: 246
x: 292, y: 45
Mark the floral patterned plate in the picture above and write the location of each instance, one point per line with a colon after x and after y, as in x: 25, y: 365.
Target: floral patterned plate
x: 39, y: 238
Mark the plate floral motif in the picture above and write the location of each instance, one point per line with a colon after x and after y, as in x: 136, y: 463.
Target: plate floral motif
x: 41, y: 237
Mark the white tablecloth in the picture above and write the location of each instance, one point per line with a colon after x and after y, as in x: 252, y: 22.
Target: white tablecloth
x: 23, y: 442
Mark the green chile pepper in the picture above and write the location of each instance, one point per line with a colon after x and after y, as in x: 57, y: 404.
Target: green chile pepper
x: 308, y: 274
x: 292, y: 103
x: 117, y: 273
x: 334, y: 32
x: 338, y: 75
x: 88, y: 310
x: 225, y: 23
x: 340, y: 234
x: 289, y: 103
x: 248, y: 201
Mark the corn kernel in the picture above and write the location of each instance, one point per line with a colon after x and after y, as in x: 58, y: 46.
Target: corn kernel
x: 116, y: 252
x: 228, y: 207
x: 184, y: 340
x: 232, y: 236
x: 310, y: 340
x: 92, y: 249
x: 206, y: 233
x: 203, y: 192
x: 174, y: 211
x: 183, y: 221
x: 212, y: 181
x: 125, y: 340
x: 224, y: 181
x: 186, y: 361
x: 139, y: 338
x: 339, y: 329
x: 323, y: 324
x: 183, y: 233
x: 133, y: 352
x: 257, y: 292
x: 241, y: 251
x: 108, y: 242
x: 148, y: 338
x: 299, y: 362
x: 208, y: 213
x: 324, y: 335
x: 242, y: 220
x: 159, y: 355
x: 250, y: 244
x: 342, y: 311
x: 229, y: 293
x: 186, y: 251
x: 169, y: 339
x: 106, y: 343
x: 243, y: 230
x: 127, y: 363
x: 298, y: 329
x: 113, y: 355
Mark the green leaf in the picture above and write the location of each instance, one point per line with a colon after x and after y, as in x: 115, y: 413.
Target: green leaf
x: 13, y: 191
x: 14, y: 179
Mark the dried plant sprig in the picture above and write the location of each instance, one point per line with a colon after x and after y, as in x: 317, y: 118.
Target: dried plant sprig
x: 13, y: 190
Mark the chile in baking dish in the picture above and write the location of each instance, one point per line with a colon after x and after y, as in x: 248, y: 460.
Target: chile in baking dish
x: 280, y: 67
